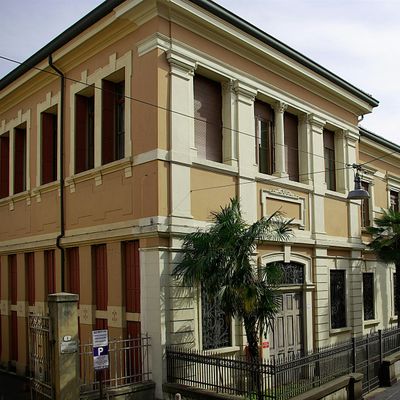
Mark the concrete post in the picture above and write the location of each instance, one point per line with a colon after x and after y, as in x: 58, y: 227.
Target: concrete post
x: 63, y: 309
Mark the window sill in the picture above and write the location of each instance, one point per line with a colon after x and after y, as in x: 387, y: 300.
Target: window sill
x: 338, y: 331
x: 214, y: 166
x: 10, y: 200
x: 223, y: 350
x: 371, y: 322
x: 393, y: 319
x: 336, y: 195
x: 284, y: 182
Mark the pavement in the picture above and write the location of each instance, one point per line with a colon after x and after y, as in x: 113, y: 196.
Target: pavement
x: 385, y: 393
x: 13, y: 387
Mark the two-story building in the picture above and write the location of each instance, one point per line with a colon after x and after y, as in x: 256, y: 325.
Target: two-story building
x: 128, y: 129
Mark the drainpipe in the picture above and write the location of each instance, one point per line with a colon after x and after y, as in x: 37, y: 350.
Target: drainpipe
x: 62, y: 222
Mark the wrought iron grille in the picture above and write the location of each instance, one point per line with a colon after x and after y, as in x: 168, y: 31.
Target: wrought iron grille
x: 292, y: 273
x: 216, y: 327
x: 338, y: 298
x: 368, y: 296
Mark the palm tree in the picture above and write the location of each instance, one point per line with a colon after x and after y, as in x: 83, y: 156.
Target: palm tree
x: 386, y: 245
x: 220, y: 260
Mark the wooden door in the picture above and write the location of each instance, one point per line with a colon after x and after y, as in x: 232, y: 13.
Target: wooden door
x: 286, y: 337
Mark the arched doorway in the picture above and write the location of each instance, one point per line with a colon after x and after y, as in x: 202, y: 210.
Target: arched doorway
x: 286, y: 338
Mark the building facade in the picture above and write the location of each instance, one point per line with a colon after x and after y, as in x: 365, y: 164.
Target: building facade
x: 128, y: 129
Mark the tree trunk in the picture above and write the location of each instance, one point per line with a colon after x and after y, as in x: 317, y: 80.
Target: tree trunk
x: 397, y: 294
x: 250, y: 326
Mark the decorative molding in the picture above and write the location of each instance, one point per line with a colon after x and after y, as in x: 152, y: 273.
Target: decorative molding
x: 155, y: 41
x: 280, y: 106
x: 181, y: 65
x: 286, y: 197
x: 316, y: 121
x: 244, y: 91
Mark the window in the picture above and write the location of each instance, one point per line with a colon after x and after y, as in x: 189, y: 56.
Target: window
x: 84, y: 131
x: 216, y: 327
x: 365, y: 220
x: 30, y: 278
x: 113, y: 121
x: 394, y: 293
x: 292, y: 145
x: 208, y: 118
x: 73, y: 270
x: 338, y: 298
x: 132, y: 276
x: 49, y: 146
x: 13, y: 284
x: 49, y: 268
x: 4, y: 165
x: 265, y: 142
x: 14, y: 336
x: 101, y: 279
x: 101, y: 323
x: 329, y: 155
x: 292, y: 273
x: 394, y: 200
x: 20, y: 160
x: 368, y: 296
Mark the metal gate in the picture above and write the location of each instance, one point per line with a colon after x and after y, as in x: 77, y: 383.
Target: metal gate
x: 40, y: 357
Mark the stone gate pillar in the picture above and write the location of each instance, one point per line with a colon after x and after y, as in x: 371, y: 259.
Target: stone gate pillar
x: 63, y: 309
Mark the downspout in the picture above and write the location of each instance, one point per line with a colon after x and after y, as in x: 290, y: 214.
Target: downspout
x: 62, y: 222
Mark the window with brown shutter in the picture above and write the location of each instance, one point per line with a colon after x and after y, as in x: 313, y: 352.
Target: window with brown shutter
x: 84, y: 132
x: 208, y: 118
x: 132, y: 276
x: 14, y: 336
x: 49, y: 267
x: 13, y: 284
x: 73, y: 270
x: 291, y: 145
x: 113, y: 121
x: 99, y: 254
x: 101, y: 323
x: 4, y: 165
x: 30, y: 277
x: 394, y: 200
x: 265, y: 141
x: 49, y: 147
x: 365, y: 220
x: 329, y: 155
x: 20, y: 160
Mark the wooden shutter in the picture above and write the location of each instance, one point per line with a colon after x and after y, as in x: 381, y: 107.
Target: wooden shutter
x: 14, y: 336
x: 208, y: 118
x: 4, y: 166
x: 132, y: 276
x: 12, y: 264
x: 20, y: 160
x: 50, y: 271
x: 108, y: 122
x: 73, y: 270
x: 30, y: 277
x: 49, y: 147
x: 365, y: 221
x: 329, y: 155
x: 81, y: 123
x: 101, y: 278
x: 101, y: 323
x: 292, y: 145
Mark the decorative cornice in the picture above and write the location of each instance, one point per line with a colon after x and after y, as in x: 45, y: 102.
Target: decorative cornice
x: 155, y: 41
x: 280, y: 107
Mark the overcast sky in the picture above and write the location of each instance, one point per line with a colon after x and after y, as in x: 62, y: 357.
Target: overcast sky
x: 356, y: 39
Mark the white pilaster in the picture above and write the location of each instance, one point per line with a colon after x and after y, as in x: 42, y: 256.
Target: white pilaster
x: 305, y: 161
x: 229, y: 130
x: 280, y: 148
x: 355, y: 299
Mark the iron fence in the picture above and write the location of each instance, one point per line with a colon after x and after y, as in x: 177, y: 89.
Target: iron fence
x: 283, y: 378
x: 128, y: 364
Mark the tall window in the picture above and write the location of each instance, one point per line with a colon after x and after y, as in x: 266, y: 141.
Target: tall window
x: 14, y: 336
x: 292, y: 145
x: 365, y: 220
x: 73, y: 270
x: 4, y: 165
x: 49, y: 268
x: 30, y: 277
x: 394, y: 200
x: 49, y: 146
x: 20, y: 160
x: 99, y: 256
x: 329, y: 155
x: 208, y: 118
x: 368, y: 296
x: 216, y: 327
x: 84, y: 131
x: 338, y: 298
x: 13, y: 285
x: 132, y: 276
x: 265, y: 142
x: 113, y: 121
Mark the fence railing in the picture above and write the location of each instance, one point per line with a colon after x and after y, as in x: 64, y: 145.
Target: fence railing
x: 283, y: 378
x: 128, y: 364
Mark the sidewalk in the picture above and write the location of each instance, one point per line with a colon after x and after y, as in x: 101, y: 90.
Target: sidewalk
x: 13, y: 387
x: 385, y: 393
